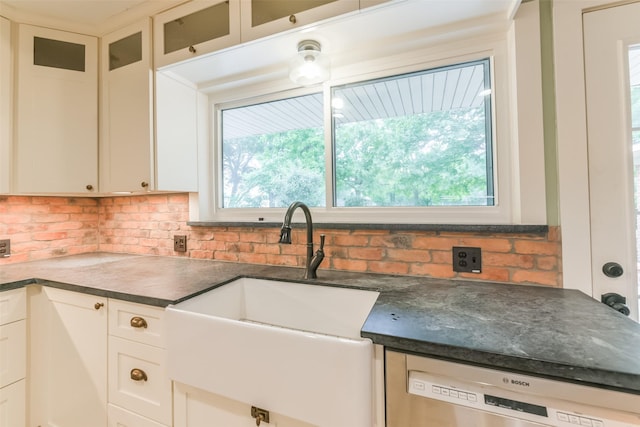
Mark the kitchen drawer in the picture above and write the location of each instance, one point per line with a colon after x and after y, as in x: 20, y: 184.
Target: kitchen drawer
x: 13, y: 305
x: 148, y: 394
x: 13, y: 352
x: 13, y: 408
x: 137, y: 322
x: 119, y: 417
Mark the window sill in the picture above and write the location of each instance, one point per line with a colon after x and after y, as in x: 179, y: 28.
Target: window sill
x: 462, y: 228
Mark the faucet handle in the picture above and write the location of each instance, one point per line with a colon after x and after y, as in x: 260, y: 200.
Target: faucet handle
x: 322, y: 236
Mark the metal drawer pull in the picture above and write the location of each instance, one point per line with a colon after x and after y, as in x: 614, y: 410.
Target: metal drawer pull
x: 98, y: 305
x: 138, y: 322
x: 138, y: 375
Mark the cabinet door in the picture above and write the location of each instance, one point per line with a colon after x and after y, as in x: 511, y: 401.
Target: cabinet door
x: 261, y: 18
x: 56, y: 147
x: 196, y: 408
x: 68, y: 362
x: 178, y: 122
x: 13, y: 405
x: 13, y: 305
x: 126, y: 145
x: 119, y: 417
x: 138, y: 379
x: 13, y: 352
x: 6, y: 100
x: 137, y: 322
x: 195, y: 28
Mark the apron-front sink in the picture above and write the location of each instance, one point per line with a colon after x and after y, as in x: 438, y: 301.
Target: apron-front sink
x: 290, y: 348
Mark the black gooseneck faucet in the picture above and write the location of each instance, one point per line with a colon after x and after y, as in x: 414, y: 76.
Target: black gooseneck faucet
x: 313, y: 261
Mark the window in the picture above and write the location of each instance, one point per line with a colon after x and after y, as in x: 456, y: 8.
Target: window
x: 405, y: 143
x: 58, y: 54
x: 273, y: 154
x: 420, y: 139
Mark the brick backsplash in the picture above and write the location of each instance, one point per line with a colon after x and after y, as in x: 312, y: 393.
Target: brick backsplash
x: 42, y: 227
x: 45, y: 227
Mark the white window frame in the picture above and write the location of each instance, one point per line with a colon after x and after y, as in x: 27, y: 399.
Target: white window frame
x: 507, y: 183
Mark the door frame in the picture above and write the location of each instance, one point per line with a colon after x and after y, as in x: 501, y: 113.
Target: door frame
x: 571, y: 127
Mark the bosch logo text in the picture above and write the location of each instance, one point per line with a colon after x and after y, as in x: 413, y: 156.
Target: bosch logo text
x: 520, y: 383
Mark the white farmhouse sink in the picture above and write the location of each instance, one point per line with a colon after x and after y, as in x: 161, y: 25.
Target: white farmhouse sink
x: 290, y: 348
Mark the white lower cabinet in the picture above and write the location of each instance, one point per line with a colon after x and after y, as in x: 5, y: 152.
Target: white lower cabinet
x: 94, y: 362
x: 68, y: 358
x: 13, y: 357
x: 12, y: 405
x: 139, y: 388
x: 138, y: 380
x: 196, y: 408
x: 119, y: 417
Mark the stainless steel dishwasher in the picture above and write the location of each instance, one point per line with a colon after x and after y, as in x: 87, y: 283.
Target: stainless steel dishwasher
x: 424, y: 392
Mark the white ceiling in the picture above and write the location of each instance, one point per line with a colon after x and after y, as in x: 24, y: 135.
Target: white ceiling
x: 84, y: 11
x: 93, y: 17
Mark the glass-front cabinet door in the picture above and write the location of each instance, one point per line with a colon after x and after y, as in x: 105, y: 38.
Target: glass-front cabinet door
x: 56, y: 144
x: 195, y: 28
x: 261, y: 18
x: 126, y: 145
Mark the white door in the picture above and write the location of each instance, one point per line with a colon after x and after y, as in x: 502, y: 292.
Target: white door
x: 612, y: 73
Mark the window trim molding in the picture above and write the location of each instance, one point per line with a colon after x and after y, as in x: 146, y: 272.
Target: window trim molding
x: 507, y: 208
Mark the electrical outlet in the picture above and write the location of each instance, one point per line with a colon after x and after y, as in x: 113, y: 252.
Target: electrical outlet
x: 5, y: 248
x: 467, y: 260
x: 180, y: 243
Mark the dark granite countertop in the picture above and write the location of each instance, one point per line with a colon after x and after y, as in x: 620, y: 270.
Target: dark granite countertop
x: 556, y: 333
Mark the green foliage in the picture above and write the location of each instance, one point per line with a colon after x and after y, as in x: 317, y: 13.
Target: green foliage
x: 438, y: 158
x: 273, y: 170
x: 421, y: 160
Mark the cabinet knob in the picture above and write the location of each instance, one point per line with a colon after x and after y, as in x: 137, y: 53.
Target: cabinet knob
x: 192, y: 49
x: 293, y: 19
x: 144, y: 184
x: 98, y: 305
x: 89, y: 187
x: 138, y: 322
x: 138, y: 375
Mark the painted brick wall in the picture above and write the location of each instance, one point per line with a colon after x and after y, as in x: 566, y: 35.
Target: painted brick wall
x: 146, y: 225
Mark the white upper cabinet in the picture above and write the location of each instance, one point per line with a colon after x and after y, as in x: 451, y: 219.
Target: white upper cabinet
x: 126, y: 145
x: 262, y: 18
x: 56, y: 140
x: 195, y: 28
x: 181, y: 117
x: 6, y: 102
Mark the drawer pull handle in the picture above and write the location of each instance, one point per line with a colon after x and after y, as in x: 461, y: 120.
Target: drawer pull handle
x: 98, y: 305
x: 138, y: 375
x: 138, y: 322
x: 293, y: 19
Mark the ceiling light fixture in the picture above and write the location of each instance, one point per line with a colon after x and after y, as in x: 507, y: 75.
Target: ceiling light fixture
x: 309, y: 66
